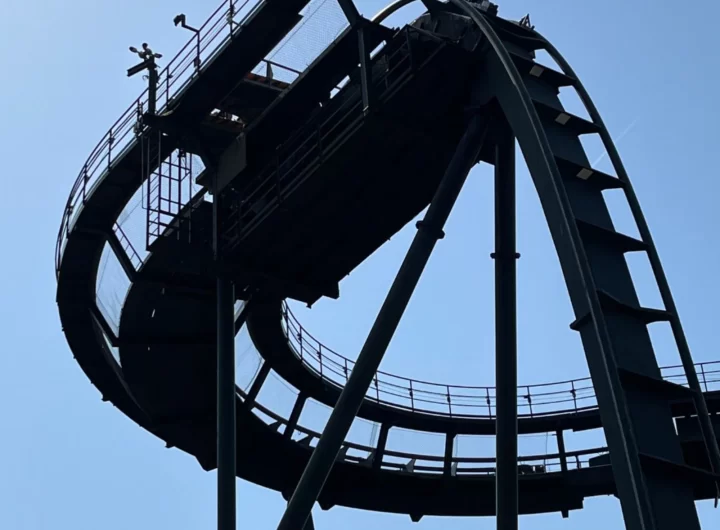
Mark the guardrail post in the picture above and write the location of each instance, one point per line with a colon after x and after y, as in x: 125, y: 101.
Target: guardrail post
x: 230, y: 16
x: 702, y: 372
x: 574, y: 394
x: 319, y: 350
x: 449, y: 402
x: 528, y: 397
x: 110, y: 146
x: 197, y: 60
x: 300, y: 340
x: 447, y: 460
x: 412, y: 398
x: 563, y: 461
x: 152, y: 87
x: 86, y: 178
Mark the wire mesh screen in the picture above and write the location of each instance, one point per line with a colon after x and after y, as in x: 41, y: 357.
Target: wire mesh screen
x: 322, y: 22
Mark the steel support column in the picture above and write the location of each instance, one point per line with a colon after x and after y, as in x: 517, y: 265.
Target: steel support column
x: 226, y: 390
x: 152, y: 87
x: 377, y: 457
x: 347, y: 406
x: 506, y: 443
x: 226, y: 452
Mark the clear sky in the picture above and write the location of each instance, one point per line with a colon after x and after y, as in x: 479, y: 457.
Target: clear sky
x: 71, y: 461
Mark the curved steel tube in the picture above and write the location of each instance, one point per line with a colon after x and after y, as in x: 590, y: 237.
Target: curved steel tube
x: 390, y: 9
x: 536, y: 144
x: 706, y: 427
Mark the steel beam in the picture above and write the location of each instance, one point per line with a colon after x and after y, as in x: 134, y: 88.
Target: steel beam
x: 506, y: 474
x: 449, y: 448
x: 351, y: 11
x: 347, y: 406
x: 257, y: 384
x: 226, y: 451
x: 152, y: 87
x: 295, y: 415
x: 377, y: 458
x: 365, y: 71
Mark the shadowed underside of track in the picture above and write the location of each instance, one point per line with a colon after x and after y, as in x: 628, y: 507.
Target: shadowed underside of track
x: 175, y: 384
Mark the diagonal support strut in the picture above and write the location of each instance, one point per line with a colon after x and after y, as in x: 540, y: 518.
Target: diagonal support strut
x: 429, y: 231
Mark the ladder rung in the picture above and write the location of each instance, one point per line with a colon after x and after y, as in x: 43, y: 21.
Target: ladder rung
x: 677, y: 470
x: 654, y: 384
x: 611, y: 304
x: 622, y: 242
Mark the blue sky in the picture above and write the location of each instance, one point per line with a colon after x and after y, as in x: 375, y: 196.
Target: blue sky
x: 71, y: 461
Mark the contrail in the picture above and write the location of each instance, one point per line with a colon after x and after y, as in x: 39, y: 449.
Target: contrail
x: 617, y: 141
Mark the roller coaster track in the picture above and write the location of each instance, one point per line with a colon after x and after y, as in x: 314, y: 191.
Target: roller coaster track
x: 463, y: 402
x: 164, y: 380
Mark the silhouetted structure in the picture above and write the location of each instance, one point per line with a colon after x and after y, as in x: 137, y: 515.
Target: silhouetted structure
x: 309, y: 174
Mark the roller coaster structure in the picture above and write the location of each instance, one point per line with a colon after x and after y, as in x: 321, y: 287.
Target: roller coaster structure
x: 237, y: 159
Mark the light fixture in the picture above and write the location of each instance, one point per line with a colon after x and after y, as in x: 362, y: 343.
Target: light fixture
x: 181, y: 20
x: 145, y: 53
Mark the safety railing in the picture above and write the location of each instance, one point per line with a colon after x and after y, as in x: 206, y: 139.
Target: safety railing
x: 539, y: 400
x: 403, y: 461
x: 319, y: 137
x: 179, y: 72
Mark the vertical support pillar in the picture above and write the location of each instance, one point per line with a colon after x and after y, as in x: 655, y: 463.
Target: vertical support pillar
x: 152, y: 87
x: 380, y: 449
x: 506, y: 475
x: 226, y: 468
x: 449, y: 447
x: 295, y: 415
x: 429, y: 231
x: 257, y: 384
x: 226, y: 443
x: 563, y: 464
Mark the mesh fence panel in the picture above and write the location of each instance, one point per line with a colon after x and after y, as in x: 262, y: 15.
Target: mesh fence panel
x: 322, y: 22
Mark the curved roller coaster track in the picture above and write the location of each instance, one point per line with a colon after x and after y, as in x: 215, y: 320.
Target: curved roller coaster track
x: 252, y: 177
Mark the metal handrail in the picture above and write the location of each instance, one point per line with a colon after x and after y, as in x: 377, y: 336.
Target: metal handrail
x: 121, y: 136
x: 537, y: 400
x: 317, y: 138
x: 549, y: 461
